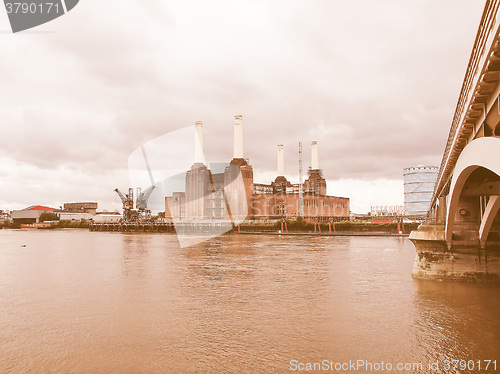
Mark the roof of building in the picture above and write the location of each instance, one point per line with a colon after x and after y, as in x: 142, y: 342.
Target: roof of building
x: 82, y: 202
x: 39, y: 207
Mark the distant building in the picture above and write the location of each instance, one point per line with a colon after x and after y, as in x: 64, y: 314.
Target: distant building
x: 74, y: 216
x: 418, y: 188
x: 30, y: 214
x: 388, y: 210
x: 86, y: 207
x: 107, y: 218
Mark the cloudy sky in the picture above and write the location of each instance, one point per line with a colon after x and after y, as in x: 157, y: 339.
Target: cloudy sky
x: 374, y: 82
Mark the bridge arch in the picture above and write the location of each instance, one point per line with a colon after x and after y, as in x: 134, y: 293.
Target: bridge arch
x: 481, y: 154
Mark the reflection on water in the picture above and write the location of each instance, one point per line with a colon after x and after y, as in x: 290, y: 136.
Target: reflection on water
x: 75, y: 301
x: 459, y: 320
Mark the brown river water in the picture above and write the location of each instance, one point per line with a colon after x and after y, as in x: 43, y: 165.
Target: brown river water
x: 73, y: 301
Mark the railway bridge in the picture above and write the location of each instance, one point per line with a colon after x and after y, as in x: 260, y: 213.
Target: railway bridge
x: 461, y: 240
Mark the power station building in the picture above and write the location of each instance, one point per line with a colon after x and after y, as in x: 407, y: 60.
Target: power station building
x: 281, y: 198
x: 232, y: 194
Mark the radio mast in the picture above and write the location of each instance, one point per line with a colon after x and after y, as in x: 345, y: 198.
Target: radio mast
x: 301, y: 194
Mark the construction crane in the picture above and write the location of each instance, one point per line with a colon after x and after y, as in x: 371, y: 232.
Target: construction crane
x: 301, y: 192
x: 142, y: 198
x: 128, y: 203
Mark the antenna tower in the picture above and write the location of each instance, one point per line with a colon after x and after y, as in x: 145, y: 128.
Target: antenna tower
x: 301, y: 193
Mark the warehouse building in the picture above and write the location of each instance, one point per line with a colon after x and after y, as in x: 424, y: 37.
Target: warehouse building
x: 30, y: 214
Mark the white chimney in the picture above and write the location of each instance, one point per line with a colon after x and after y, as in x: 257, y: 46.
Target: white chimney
x: 314, y: 155
x: 198, y: 143
x: 238, y: 136
x: 281, y: 161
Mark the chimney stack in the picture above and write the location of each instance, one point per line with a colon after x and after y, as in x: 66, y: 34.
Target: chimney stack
x: 198, y: 143
x: 314, y: 155
x: 238, y: 136
x: 281, y: 161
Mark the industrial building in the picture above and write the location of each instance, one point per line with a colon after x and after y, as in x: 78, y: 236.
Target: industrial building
x: 90, y: 208
x: 30, y: 214
x: 232, y: 194
x: 72, y: 212
x: 74, y: 216
x: 418, y: 189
